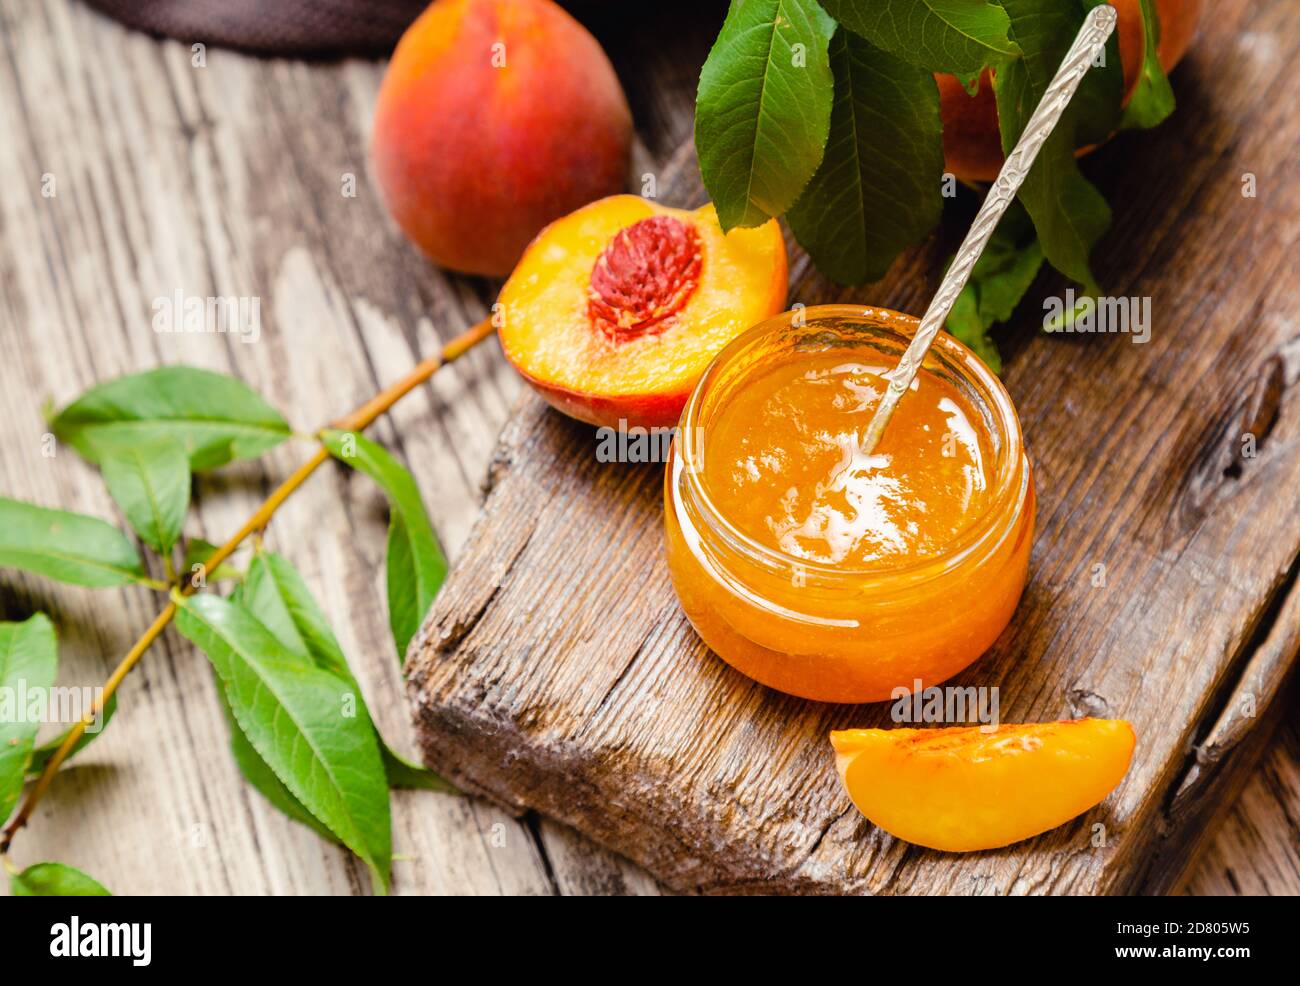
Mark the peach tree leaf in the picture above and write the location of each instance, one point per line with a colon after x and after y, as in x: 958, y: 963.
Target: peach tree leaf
x: 1068, y: 213
x: 254, y: 769
x: 1153, y: 97
x: 262, y: 778
x: 197, y: 553
x: 149, y: 479
x: 878, y: 187
x: 958, y: 36
x: 1094, y: 112
x: 215, y: 417
x: 55, y: 880
x: 403, y: 774
x: 1000, y: 278
x: 65, y: 546
x: 763, y: 107
x: 298, y: 718
x: 29, y: 664
x: 416, y: 566
x: 276, y: 594
x: 965, y: 324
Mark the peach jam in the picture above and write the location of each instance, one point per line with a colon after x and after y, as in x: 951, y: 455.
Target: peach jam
x: 825, y: 572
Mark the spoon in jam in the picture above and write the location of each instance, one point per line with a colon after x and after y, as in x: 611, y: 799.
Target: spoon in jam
x: 1088, y: 43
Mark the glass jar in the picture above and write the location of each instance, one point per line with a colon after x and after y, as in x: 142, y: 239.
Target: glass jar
x: 848, y: 634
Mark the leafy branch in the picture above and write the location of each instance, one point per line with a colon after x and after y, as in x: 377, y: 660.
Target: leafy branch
x: 828, y: 112
x: 300, y: 730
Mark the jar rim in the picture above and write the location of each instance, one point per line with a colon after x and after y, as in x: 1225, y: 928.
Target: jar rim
x: 1011, y: 476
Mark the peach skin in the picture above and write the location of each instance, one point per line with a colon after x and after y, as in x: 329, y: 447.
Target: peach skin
x: 494, y: 118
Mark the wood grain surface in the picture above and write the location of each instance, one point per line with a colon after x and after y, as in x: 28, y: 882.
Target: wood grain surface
x: 227, y: 179
x: 557, y: 672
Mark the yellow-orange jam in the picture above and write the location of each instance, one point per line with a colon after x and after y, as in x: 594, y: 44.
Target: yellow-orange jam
x: 782, y: 462
x: 827, y: 572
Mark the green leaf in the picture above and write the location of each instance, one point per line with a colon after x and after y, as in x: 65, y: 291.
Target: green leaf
x: 405, y: 563
x: 149, y: 479
x: 763, y: 108
x: 416, y: 564
x: 198, y: 551
x: 965, y: 324
x: 1095, y: 109
x: 1153, y: 97
x: 405, y: 775
x: 1001, y: 276
x: 65, y: 546
x: 276, y: 594
x: 55, y: 880
x: 959, y: 36
x: 257, y: 771
x: 216, y: 418
x: 262, y: 778
x: 877, y: 190
x: 1069, y: 214
x: 29, y: 664
x: 295, y: 716
x: 41, y: 755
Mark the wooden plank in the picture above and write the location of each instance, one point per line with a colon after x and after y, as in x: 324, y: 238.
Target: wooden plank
x: 218, y: 182
x: 226, y: 180
x: 1257, y: 849
x: 556, y: 671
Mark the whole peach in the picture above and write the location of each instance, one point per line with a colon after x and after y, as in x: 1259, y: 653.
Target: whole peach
x: 494, y: 118
x: 972, y: 146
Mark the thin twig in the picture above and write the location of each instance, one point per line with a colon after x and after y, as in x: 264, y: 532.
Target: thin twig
x: 356, y: 421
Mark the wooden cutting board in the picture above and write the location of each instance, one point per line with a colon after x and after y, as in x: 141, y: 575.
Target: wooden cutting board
x: 557, y: 673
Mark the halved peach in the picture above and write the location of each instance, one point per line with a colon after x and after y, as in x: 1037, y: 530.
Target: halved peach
x: 964, y: 789
x: 615, y: 310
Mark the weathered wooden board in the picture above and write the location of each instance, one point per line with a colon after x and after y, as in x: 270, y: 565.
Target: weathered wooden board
x: 556, y: 671
x: 225, y: 180
x: 1256, y: 850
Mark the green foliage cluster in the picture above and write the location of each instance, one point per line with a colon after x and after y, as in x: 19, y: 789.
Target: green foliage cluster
x: 828, y: 113
x: 300, y: 731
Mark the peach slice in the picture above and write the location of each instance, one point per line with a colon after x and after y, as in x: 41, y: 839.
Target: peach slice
x: 615, y: 310
x: 964, y: 789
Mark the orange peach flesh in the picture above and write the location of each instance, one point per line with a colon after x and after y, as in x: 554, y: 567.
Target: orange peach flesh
x: 643, y: 378
x: 964, y: 789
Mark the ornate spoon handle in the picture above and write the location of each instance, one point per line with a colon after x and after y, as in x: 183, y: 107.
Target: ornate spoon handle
x: 1087, y: 44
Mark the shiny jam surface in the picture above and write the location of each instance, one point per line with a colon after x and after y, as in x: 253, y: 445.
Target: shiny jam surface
x: 782, y: 463
x: 856, y: 575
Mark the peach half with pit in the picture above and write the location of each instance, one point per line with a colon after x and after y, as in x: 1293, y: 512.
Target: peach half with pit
x: 615, y: 310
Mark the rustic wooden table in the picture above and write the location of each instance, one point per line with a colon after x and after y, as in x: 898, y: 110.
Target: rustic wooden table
x: 228, y: 179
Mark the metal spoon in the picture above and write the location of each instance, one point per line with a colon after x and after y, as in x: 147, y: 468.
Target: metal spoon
x: 1087, y: 45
